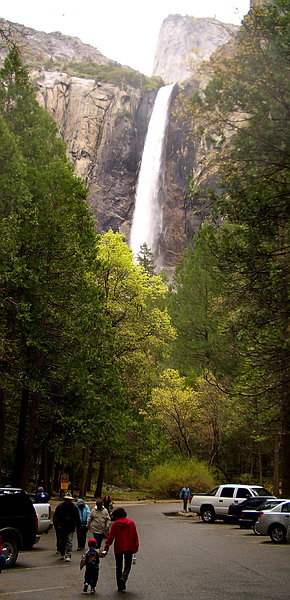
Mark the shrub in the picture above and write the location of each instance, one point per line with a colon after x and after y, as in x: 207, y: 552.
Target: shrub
x: 166, y: 480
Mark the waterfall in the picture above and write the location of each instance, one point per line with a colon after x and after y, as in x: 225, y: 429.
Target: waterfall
x: 148, y: 214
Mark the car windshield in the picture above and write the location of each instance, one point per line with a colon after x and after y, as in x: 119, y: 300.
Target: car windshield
x: 260, y: 491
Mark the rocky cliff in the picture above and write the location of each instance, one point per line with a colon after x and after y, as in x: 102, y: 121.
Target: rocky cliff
x: 104, y: 126
x: 184, y: 43
x: 50, y: 49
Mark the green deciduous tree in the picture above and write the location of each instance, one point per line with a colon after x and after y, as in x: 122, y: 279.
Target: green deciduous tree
x: 176, y: 406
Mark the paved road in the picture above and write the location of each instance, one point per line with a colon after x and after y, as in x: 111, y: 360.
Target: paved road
x: 180, y: 557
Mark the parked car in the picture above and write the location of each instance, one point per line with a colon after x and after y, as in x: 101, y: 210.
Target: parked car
x: 274, y: 522
x: 44, y: 515
x: 215, y: 503
x: 249, y: 505
x: 248, y: 518
x: 18, y: 523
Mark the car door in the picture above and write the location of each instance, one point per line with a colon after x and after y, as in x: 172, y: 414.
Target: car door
x: 285, y: 514
x: 225, y: 499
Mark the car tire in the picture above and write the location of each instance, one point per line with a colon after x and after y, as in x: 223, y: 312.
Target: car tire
x: 208, y: 514
x: 10, y: 551
x: 277, y: 534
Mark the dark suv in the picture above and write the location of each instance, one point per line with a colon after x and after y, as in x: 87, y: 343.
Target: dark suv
x: 18, y: 523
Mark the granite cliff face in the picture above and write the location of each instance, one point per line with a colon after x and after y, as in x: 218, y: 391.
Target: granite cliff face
x: 105, y: 125
x: 184, y: 43
x: 104, y: 128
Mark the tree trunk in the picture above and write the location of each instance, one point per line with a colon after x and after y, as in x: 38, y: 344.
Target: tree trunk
x: 21, y: 437
x: 276, y: 479
x: 260, y: 467
x: 98, y: 492
x: 84, y: 473
x: 56, y: 478
x: 285, y: 441
x: 89, y: 473
x: 30, y: 441
x: 2, y: 428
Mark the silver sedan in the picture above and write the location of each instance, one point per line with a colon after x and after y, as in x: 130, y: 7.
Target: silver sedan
x: 274, y: 522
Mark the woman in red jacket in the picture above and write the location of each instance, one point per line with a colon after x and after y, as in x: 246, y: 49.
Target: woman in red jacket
x: 123, y: 533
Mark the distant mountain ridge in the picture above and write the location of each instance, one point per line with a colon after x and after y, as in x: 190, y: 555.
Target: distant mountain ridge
x: 41, y: 49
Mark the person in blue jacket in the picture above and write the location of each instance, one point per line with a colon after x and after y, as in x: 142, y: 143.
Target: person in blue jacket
x: 185, y: 494
x: 41, y: 496
x: 84, y: 512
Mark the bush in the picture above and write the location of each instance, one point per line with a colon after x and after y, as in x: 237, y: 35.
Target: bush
x: 166, y: 480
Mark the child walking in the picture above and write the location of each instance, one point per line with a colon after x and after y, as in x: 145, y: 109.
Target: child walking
x: 91, y: 560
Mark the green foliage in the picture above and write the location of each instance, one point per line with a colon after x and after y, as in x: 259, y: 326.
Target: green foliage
x: 145, y: 258
x: 112, y: 73
x: 245, y: 107
x: 176, y: 406
x: 166, y: 480
x: 45, y: 293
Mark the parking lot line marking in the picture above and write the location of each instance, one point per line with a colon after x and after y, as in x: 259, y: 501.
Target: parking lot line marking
x: 61, y: 587
x: 62, y: 566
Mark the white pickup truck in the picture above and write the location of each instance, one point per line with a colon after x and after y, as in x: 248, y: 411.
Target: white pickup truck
x: 44, y: 515
x: 214, y: 504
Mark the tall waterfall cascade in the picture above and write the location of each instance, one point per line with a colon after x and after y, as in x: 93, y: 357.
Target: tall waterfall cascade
x: 147, y: 224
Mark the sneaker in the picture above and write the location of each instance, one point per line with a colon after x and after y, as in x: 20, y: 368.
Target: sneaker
x: 85, y: 588
x: 93, y: 590
x: 121, y: 585
x: 61, y: 557
x: 67, y: 559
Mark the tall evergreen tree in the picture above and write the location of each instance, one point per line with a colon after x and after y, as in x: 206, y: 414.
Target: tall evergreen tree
x: 45, y: 285
x: 248, y: 99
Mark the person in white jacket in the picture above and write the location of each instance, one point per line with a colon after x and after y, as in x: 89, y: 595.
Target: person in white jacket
x: 99, y: 521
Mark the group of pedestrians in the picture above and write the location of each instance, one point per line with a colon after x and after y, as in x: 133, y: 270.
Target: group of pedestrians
x: 115, y: 527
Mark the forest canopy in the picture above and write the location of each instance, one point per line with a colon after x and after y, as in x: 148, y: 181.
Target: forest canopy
x: 108, y: 371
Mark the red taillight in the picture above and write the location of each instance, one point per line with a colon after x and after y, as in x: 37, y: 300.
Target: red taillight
x: 260, y: 515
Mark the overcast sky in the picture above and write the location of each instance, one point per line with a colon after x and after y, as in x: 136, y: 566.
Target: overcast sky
x: 123, y: 30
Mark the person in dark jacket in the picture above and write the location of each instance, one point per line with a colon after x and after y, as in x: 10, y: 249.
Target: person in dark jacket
x: 65, y: 519
x: 107, y: 503
x: 124, y: 534
x: 41, y: 496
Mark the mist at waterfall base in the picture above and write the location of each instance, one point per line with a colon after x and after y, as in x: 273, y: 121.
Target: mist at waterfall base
x: 147, y: 223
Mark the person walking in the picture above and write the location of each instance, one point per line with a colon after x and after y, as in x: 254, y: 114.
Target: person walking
x: 108, y: 504
x: 99, y: 521
x: 65, y: 519
x: 185, y: 494
x: 84, y: 512
x: 124, y: 534
x: 91, y: 560
x: 41, y: 496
